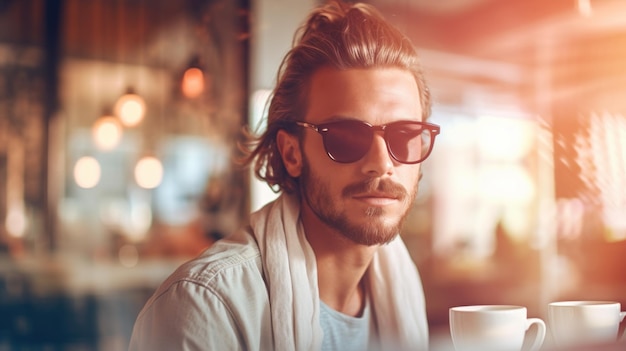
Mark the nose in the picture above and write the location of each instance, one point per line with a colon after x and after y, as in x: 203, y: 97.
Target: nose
x: 377, y: 161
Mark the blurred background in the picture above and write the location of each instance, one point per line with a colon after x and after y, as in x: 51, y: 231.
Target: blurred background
x: 118, y: 128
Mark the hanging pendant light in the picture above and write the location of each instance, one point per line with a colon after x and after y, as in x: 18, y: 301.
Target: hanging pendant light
x: 130, y: 108
x: 107, y: 132
x: 87, y: 172
x: 193, y: 83
x: 149, y: 172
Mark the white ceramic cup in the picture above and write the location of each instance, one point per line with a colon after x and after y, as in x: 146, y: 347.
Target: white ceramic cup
x: 574, y: 323
x: 493, y: 328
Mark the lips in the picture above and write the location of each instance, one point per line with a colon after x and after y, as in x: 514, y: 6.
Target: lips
x: 376, y: 199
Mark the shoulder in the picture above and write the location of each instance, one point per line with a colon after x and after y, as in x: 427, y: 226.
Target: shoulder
x: 220, y: 292
x: 219, y: 269
x: 225, y: 256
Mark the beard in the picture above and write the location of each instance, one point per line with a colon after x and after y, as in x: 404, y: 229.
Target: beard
x: 380, y: 229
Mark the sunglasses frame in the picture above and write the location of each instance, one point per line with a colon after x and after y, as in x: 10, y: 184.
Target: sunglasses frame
x: 321, y: 128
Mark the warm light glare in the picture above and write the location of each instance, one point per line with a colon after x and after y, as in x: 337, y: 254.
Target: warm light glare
x: 130, y: 108
x: 87, y: 172
x: 15, y: 222
x: 193, y: 82
x: 507, y: 183
x: 107, y: 132
x: 149, y: 172
x: 584, y: 8
x: 601, y: 154
x: 504, y: 138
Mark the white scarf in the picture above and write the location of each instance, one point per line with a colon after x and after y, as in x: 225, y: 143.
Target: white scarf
x: 291, y: 272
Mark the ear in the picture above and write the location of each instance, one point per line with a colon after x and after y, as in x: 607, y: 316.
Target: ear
x: 289, y: 148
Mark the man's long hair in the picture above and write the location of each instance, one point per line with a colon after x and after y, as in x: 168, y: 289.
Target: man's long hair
x: 337, y: 35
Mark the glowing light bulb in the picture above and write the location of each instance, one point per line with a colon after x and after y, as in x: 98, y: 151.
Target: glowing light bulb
x: 107, y: 132
x: 193, y: 82
x: 87, y: 172
x: 130, y: 108
x: 148, y: 172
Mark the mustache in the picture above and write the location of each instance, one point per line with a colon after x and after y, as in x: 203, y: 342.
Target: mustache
x: 386, y: 186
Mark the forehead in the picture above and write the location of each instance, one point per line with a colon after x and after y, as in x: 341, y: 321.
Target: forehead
x: 376, y: 95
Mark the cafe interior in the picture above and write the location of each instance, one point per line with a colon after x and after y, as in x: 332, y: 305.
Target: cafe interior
x: 120, y: 122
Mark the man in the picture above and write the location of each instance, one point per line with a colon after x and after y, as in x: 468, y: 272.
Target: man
x: 321, y: 267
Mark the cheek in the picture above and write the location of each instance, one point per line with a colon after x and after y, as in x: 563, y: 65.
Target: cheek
x: 319, y: 162
x: 329, y: 175
x: 314, y: 150
x: 409, y: 177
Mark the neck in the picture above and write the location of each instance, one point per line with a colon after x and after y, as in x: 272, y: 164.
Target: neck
x: 341, y: 265
x: 344, y: 293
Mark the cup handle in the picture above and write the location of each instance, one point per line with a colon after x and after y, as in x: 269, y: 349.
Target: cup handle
x: 541, y: 333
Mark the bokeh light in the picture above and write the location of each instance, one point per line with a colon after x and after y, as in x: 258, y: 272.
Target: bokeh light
x: 130, y: 108
x: 149, y: 172
x: 87, y: 172
x: 193, y: 82
x: 107, y: 132
x: 16, y: 221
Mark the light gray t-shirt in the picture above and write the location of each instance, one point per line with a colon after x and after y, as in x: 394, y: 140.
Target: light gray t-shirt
x: 343, y: 332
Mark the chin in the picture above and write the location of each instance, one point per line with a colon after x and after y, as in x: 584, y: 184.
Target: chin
x: 372, y: 231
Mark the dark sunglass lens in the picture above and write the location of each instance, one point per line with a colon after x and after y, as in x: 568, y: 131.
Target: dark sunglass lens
x: 408, y: 142
x: 346, y: 141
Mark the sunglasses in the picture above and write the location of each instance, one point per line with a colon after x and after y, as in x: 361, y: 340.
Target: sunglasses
x: 347, y: 141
